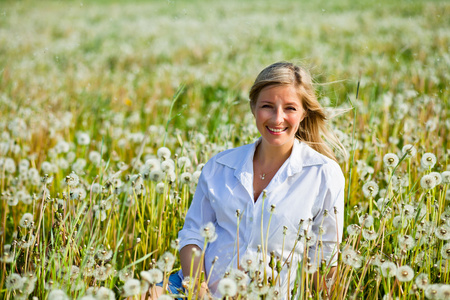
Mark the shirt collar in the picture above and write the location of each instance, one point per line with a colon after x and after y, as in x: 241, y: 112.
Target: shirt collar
x: 241, y: 159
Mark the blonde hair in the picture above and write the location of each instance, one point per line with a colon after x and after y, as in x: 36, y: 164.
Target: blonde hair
x: 314, y: 124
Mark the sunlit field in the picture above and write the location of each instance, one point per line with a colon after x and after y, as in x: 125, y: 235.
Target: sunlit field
x: 109, y: 110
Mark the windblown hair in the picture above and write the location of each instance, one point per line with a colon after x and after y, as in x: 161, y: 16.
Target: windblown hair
x: 314, y: 124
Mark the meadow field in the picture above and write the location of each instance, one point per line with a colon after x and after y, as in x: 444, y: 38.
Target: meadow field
x: 109, y: 110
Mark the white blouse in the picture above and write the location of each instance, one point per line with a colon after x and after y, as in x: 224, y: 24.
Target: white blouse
x: 306, y: 186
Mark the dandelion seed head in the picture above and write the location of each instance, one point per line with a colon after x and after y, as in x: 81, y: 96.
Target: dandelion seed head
x: 208, y: 231
x: 227, y: 287
x: 443, y: 232
x: 405, y: 273
x: 132, y: 287
x: 388, y: 269
x: 156, y: 175
x: 13, y: 282
x: 57, y: 294
x: 126, y: 274
x: 432, y: 291
x: 409, y: 150
x: 353, y: 229
x: 152, y: 276
x: 437, y: 177
x: 185, y: 178
x: 165, y: 297
x: 369, y: 234
x: 422, y: 281
x: 370, y: 189
x: 428, y: 160
x: 26, y: 221
x: 166, y: 261
x: 390, y: 160
x: 163, y: 153
x: 445, y: 251
x: 445, y: 178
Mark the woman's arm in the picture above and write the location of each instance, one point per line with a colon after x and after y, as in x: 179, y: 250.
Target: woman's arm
x: 187, y: 254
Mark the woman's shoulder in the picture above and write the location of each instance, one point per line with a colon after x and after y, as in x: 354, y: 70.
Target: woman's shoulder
x: 329, y: 167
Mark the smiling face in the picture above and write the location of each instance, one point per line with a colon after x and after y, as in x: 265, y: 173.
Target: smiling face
x: 278, y: 112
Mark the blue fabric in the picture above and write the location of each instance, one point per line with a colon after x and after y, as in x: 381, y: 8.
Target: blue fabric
x: 174, y: 286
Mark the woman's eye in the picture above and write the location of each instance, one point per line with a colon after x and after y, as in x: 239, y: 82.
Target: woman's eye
x: 265, y: 106
x: 291, y: 108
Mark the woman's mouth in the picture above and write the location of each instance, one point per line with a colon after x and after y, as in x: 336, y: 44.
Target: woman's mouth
x: 276, y: 130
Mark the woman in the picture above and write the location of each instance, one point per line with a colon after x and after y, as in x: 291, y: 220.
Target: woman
x: 260, y: 198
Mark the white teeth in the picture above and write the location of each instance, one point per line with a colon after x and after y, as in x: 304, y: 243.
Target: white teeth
x: 275, y: 130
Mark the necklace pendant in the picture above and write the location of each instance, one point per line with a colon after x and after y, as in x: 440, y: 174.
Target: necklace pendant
x: 262, y: 176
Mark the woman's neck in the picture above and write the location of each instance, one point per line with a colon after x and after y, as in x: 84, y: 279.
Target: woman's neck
x: 268, y: 155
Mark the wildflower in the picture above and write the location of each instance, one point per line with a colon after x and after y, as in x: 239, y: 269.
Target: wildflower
x: 88, y: 297
x: 366, y: 220
x: 152, y: 276
x: 125, y: 274
x: 57, y: 295
x: 227, y: 287
x: 83, y: 138
x: 444, y: 291
x: 165, y: 297
x: 405, y: 273
x: 422, y: 281
x: 353, y: 229
x: 432, y: 291
x: 249, y: 262
x: 273, y: 293
x: 445, y: 251
x: 399, y: 222
x: 13, y: 282
x: 388, y: 269
x: 443, y: 232
x: 23, y: 196
x: 72, y: 180
x: 168, y: 166
x: 185, y: 178
x: 445, y: 177
x: 428, y: 182
x: 160, y: 186
x: 103, y: 254
x: 166, y: 261
x: 26, y: 221
x: 104, y: 293
x: 238, y: 276
x: 369, y: 235
x: 101, y: 273
x: 196, y: 176
x: 390, y: 160
x: 132, y: 287
x: 409, y: 150
x: 156, y: 175
x: 95, y: 157
x: 370, y: 189
x: 351, y: 258
x: 175, y: 244
x: 406, y: 242
x: 311, y: 268
x: 208, y: 231
x: 259, y: 288
x: 9, y: 165
x: 163, y: 153
x: 408, y: 211
x: 428, y: 160
x: 96, y: 188
x: 184, y: 162
x: 437, y: 176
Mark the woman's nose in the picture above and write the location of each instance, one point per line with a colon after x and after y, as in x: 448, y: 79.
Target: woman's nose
x: 278, y: 115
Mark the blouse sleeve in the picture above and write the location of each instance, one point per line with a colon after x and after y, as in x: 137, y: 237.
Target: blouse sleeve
x: 199, y: 213
x: 328, y: 223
